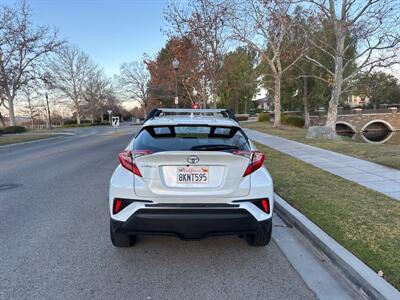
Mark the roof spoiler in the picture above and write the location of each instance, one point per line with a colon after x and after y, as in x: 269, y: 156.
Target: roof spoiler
x: 226, y: 113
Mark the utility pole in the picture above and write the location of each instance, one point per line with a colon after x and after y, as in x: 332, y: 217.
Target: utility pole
x: 48, y: 110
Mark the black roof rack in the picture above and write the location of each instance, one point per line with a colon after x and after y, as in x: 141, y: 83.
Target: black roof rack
x: 227, y: 113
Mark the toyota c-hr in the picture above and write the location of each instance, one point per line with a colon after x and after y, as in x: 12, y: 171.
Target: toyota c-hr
x: 191, y: 173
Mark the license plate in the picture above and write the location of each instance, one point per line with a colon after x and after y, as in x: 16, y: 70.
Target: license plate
x: 192, y: 175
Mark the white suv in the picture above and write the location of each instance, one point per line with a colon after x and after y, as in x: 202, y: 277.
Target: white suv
x: 191, y: 173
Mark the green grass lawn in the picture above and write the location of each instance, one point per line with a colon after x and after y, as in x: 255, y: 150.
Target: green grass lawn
x: 365, y: 222
x: 384, y: 154
x: 21, y: 137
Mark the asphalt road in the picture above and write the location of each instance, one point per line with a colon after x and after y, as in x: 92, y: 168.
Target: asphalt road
x: 54, y: 236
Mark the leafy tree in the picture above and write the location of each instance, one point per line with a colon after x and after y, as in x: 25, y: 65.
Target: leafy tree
x: 162, y: 75
x: 379, y: 87
x: 238, y: 80
x: 203, y: 23
x: 370, y: 28
x: 306, y: 87
x: 267, y: 28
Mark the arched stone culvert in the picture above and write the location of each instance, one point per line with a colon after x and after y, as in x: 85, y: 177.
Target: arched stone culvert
x: 377, y: 125
x: 346, y: 129
x: 377, y: 132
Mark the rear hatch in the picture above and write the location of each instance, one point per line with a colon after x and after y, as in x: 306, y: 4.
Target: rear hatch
x: 201, y: 174
x: 191, y: 160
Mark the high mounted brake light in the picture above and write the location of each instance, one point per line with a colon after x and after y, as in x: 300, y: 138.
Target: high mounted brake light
x: 256, y: 160
x: 127, y: 158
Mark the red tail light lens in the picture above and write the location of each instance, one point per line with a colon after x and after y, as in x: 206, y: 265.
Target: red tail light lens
x: 256, y: 160
x: 126, y: 158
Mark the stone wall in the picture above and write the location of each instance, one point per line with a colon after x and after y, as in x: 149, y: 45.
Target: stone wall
x: 359, y: 121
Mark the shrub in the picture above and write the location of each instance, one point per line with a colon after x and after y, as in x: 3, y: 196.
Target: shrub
x: 13, y: 129
x: 101, y: 123
x: 75, y: 125
x: 292, y: 120
x: 263, y: 117
x: 69, y: 122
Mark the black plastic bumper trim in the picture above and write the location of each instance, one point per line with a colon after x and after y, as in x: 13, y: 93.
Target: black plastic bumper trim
x: 189, y: 205
x: 187, y: 223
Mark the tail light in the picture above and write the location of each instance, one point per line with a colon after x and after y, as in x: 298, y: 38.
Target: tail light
x: 127, y: 158
x: 256, y: 160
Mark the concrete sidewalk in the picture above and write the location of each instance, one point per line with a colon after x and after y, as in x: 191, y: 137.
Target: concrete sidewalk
x: 374, y: 176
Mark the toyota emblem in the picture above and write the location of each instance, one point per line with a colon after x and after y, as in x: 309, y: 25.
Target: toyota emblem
x: 193, y: 159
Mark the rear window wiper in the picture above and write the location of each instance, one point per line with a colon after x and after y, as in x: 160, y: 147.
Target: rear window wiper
x: 214, y: 147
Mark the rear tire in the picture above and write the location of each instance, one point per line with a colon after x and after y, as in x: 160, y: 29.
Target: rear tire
x: 260, y: 239
x: 122, y: 240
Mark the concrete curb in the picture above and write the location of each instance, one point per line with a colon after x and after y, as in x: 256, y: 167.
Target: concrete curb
x: 363, y: 277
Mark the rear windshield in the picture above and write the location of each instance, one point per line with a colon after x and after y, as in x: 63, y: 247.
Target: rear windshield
x: 187, y: 137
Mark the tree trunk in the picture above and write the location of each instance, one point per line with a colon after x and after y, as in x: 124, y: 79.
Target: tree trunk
x: 213, y: 101
x: 204, y: 102
x: 2, y: 120
x: 145, y: 110
x: 92, y: 118
x: 305, y: 103
x: 31, y: 112
x: 78, y: 117
x: 338, y: 83
x: 102, y: 117
x: 277, y: 102
x: 11, y: 121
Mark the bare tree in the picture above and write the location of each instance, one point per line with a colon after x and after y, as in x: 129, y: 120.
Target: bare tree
x: 268, y: 28
x: 22, y: 48
x: 98, y: 88
x: 134, y: 79
x: 69, y: 73
x: 203, y: 22
x: 30, y: 96
x: 370, y: 27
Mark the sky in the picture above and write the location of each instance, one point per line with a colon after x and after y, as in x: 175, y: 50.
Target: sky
x: 110, y: 31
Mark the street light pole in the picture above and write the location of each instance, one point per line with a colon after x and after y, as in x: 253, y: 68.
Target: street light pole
x: 175, y: 65
x: 48, y: 110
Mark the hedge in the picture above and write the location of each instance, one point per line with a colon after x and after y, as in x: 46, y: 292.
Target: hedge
x: 292, y: 120
x: 263, y: 117
x: 12, y: 129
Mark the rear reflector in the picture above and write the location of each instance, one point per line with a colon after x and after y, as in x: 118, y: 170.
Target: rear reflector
x: 120, y: 204
x: 117, y: 206
x: 256, y: 160
x: 262, y: 204
x: 265, y: 205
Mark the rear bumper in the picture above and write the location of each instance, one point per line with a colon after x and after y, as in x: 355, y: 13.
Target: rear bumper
x: 191, y: 223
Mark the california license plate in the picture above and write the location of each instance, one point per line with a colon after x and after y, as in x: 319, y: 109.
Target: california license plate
x: 192, y: 175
